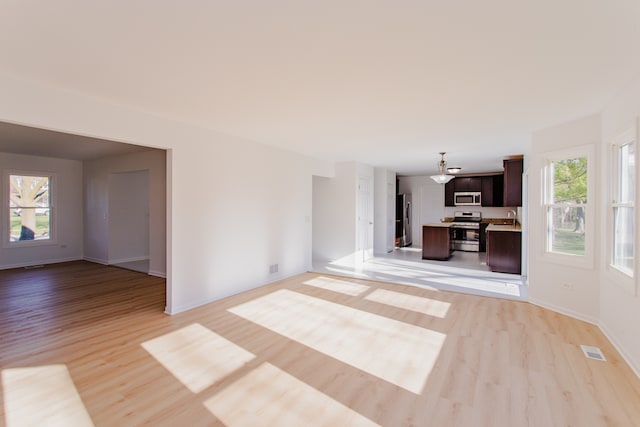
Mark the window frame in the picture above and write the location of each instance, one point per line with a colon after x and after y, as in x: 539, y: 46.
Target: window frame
x: 4, y: 216
x: 623, y: 278
x: 582, y: 261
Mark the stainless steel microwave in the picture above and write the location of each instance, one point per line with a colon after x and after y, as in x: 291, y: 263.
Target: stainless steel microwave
x: 467, y: 198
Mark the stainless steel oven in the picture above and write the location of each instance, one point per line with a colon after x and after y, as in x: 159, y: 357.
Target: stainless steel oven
x: 466, y: 239
x: 465, y: 231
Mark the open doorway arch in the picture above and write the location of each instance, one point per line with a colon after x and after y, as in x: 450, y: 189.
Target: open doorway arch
x: 96, y: 159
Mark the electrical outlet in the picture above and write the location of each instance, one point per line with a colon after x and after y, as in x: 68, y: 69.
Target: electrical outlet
x: 273, y: 268
x: 567, y: 285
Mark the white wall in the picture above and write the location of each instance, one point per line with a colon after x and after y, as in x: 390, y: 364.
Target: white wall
x: 619, y: 308
x: 546, y: 276
x: 97, y: 232
x: 336, y: 206
x: 428, y: 204
x: 252, y: 202
x: 334, y: 212
x: 384, y: 210
x: 129, y: 213
x: 67, y: 210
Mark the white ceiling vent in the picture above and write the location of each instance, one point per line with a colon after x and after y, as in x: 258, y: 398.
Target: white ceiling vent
x: 592, y: 352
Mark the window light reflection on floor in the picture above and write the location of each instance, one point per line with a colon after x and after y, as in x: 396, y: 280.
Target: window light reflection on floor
x: 480, y: 284
x: 397, y: 352
x: 336, y: 285
x: 197, y: 356
x: 415, y: 303
x: 42, y: 395
x: 268, y: 396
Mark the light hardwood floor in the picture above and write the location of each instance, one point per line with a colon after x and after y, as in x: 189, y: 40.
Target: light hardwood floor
x: 84, y: 343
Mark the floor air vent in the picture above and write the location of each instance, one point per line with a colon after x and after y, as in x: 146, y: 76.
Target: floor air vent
x: 592, y: 352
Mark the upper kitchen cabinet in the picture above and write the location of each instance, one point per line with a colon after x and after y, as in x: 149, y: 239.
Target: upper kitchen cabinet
x: 461, y: 183
x: 501, y: 189
x: 492, y: 190
x: 468, y: 183
x: 449, y: 189
x: 512, y: 182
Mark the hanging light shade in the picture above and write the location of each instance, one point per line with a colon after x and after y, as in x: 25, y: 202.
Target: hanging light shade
x: 442, y: 178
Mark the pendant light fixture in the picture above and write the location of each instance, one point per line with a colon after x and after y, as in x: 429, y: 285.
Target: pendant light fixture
x: 443, y: 178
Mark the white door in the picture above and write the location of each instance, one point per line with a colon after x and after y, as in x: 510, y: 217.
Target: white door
x: 391, y: 217
x: 364, y: 220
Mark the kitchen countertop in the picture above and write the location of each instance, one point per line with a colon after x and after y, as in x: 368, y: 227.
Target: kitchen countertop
x: 504, y: 227
x: 496, y: 224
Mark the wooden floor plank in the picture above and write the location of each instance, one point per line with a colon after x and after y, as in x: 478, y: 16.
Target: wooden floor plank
x: 229, y: 363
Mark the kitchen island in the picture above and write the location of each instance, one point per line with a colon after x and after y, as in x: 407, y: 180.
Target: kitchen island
x: 436, y: 241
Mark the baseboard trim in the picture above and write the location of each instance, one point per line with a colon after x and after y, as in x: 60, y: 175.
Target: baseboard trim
x: 190, y: 306
x: 39, y: 262
x: 123, y: 260
x: 561, y: 310
x: 96, y: 260
x: 617, y: 346
x: 615, y: 343
x: 155, y: 273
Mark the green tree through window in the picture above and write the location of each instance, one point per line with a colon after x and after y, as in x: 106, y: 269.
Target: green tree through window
x: 29, y: 208
x: 570, y: 180
x: 566, y: 206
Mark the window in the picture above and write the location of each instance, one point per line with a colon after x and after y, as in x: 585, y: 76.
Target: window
x: 622, y: 204
x: 568, y: 219
x: 29, y: 208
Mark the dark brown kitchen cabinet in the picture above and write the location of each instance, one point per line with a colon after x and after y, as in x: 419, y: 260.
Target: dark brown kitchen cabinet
x: 461, y: 183
x: 503, y: 251
x: 448, y: 193
x: 493, y: 187
x: 512, y: 182
x: 436, y: 242
x: 492, y: 190
x: 483, y: 237
x: 468, y: 183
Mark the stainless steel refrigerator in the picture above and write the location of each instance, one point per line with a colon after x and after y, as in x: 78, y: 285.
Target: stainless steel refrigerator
x: 403, y: 219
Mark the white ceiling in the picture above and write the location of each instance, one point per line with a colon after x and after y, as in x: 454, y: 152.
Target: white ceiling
x: 389, y: 83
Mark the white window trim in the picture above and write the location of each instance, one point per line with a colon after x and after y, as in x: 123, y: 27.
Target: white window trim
x: 4, y: 215
x: 581, y: 261
x: 619, y: 276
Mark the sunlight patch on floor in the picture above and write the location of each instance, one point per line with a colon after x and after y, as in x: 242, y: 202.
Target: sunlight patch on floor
x: 353, y: 273
x: 336, y: 285
x: 197, y: 356
x: 466, y: 272
x: 426, y: 270
x: 42, y: 396
x: 268, y: 396
x: 348, y: 260
x: 409, y: 249
x: 488, y: 285
x: 423, y: 305
x: 397, y: 352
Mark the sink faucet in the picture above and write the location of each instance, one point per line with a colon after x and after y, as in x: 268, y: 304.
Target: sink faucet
x: 509, y: 214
